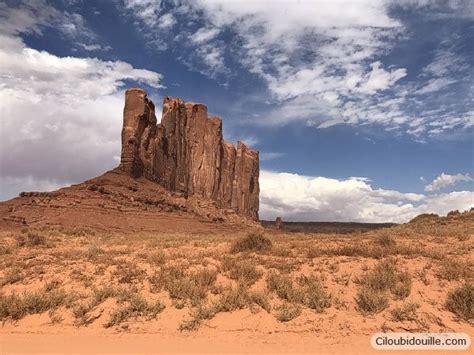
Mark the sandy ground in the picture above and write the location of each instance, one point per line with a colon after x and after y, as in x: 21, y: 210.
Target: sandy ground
x: 84, y: 291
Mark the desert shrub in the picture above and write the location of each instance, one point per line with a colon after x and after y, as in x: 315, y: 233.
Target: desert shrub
x: 372, y: 297
x: 183, y: 285
x: 402, y: 287
x: 198, y: 315
x: 205, y: 277
x: 288, y: 311
x: 315, y: 297
x: 229, y: 301
x: 100, y: 294
x: 157, y: 258
x: 30, y: 239
x: 128, y: 273
x: 260, y: 299
x: 252, y: 242
x: 386, y: 277
x: 461, y: 302
x: 371, y: 301
x: 245, y: 272
x: 308, y: 291
x: 94, y: 253
x: 137, y: 307
x: 405, y: 313
x: 12, y: 276
x: 283, y: 286
x: 386, y: 241
x: 452, y: 269
x: 15, y: 306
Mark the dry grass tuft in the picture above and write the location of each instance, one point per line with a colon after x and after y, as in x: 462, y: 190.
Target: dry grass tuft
x: 30, y: 239
x: 288, y: 311
x: 136, y: 306
x: 15, y: 306
x: 252, y: 242
x: 372, y: 297
x: 405, y: 313
x: 461, y: 302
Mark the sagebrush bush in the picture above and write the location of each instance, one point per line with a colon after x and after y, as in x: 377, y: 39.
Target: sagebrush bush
x: 386, y: 241
x: 405, y: 313
x: 461, y: 302
x: 288, y: 311
x: 373, y: 296
x: 16, y: 306
x: 371, y: 301
x: 252, y: 242
x: 137, y: 307
x: 30, y: 239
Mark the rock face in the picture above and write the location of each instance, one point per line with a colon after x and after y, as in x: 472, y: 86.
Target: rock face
x: 186, y: 153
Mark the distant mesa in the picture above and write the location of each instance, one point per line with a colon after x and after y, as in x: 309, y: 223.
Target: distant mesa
x: 186, y: 153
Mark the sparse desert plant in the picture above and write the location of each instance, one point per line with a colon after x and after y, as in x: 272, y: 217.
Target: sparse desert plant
x: 386, y: 277
x: 461, y: 302
x: 183, y: 285
x: 201, y: 313
x: 452, y: 269
x: 372, y: 296
x: 386, y: 241
x: 283, y: 286
x: 405, y: 313
x: 30, y: 239
x: 245, y: 272
x: 137, y: 307
x: 402, y: 287
x: 16, y: 306
x: 371, y: 301
x: 252, y: 242
x: 315, y: 296
x: 260, y: 299
x: 94, y: 252
x: 11, y: 276
x: 288, y: 311
x: 205, y: 277
x: 229, y: 301
x: 100, y: 294
x: 128, y: 273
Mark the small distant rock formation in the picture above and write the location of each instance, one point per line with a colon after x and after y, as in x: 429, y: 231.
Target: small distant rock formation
x: 186, y: 153
x: 278, y: 223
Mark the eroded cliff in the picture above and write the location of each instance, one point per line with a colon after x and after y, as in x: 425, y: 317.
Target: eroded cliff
x: 186, y: 153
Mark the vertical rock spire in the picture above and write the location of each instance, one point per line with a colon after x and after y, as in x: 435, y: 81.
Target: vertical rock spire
x: 186, y: 152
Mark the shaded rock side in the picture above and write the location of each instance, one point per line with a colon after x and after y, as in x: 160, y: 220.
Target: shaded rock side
x: 186, y: 153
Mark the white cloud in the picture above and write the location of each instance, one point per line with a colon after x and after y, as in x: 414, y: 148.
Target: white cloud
x: 166, y: 21
x: 204, y: 35
x: 53, y: 108
x: 94, y: 47
x: 305, y: 198
x: 380, y: 79
x: 445, y: 180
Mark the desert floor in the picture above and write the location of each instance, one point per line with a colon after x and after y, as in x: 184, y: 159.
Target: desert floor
x: 84, y: 291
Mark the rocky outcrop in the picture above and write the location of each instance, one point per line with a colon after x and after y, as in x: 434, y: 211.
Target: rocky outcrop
x: 186, y: 153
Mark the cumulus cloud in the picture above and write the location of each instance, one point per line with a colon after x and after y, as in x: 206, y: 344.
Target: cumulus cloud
x: 313, y: 198
x: 445, y: 180
x: 54, y: 107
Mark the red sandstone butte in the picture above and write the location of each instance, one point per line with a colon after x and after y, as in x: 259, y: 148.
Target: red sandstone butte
x: 186, y: 153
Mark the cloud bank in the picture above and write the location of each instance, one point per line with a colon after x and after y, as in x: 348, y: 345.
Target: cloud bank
x: 314, y: 198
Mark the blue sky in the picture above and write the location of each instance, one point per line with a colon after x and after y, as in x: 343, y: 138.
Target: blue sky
x: 361, y: 110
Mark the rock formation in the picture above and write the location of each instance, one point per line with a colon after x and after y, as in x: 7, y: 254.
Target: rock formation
x: 186, y: 153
